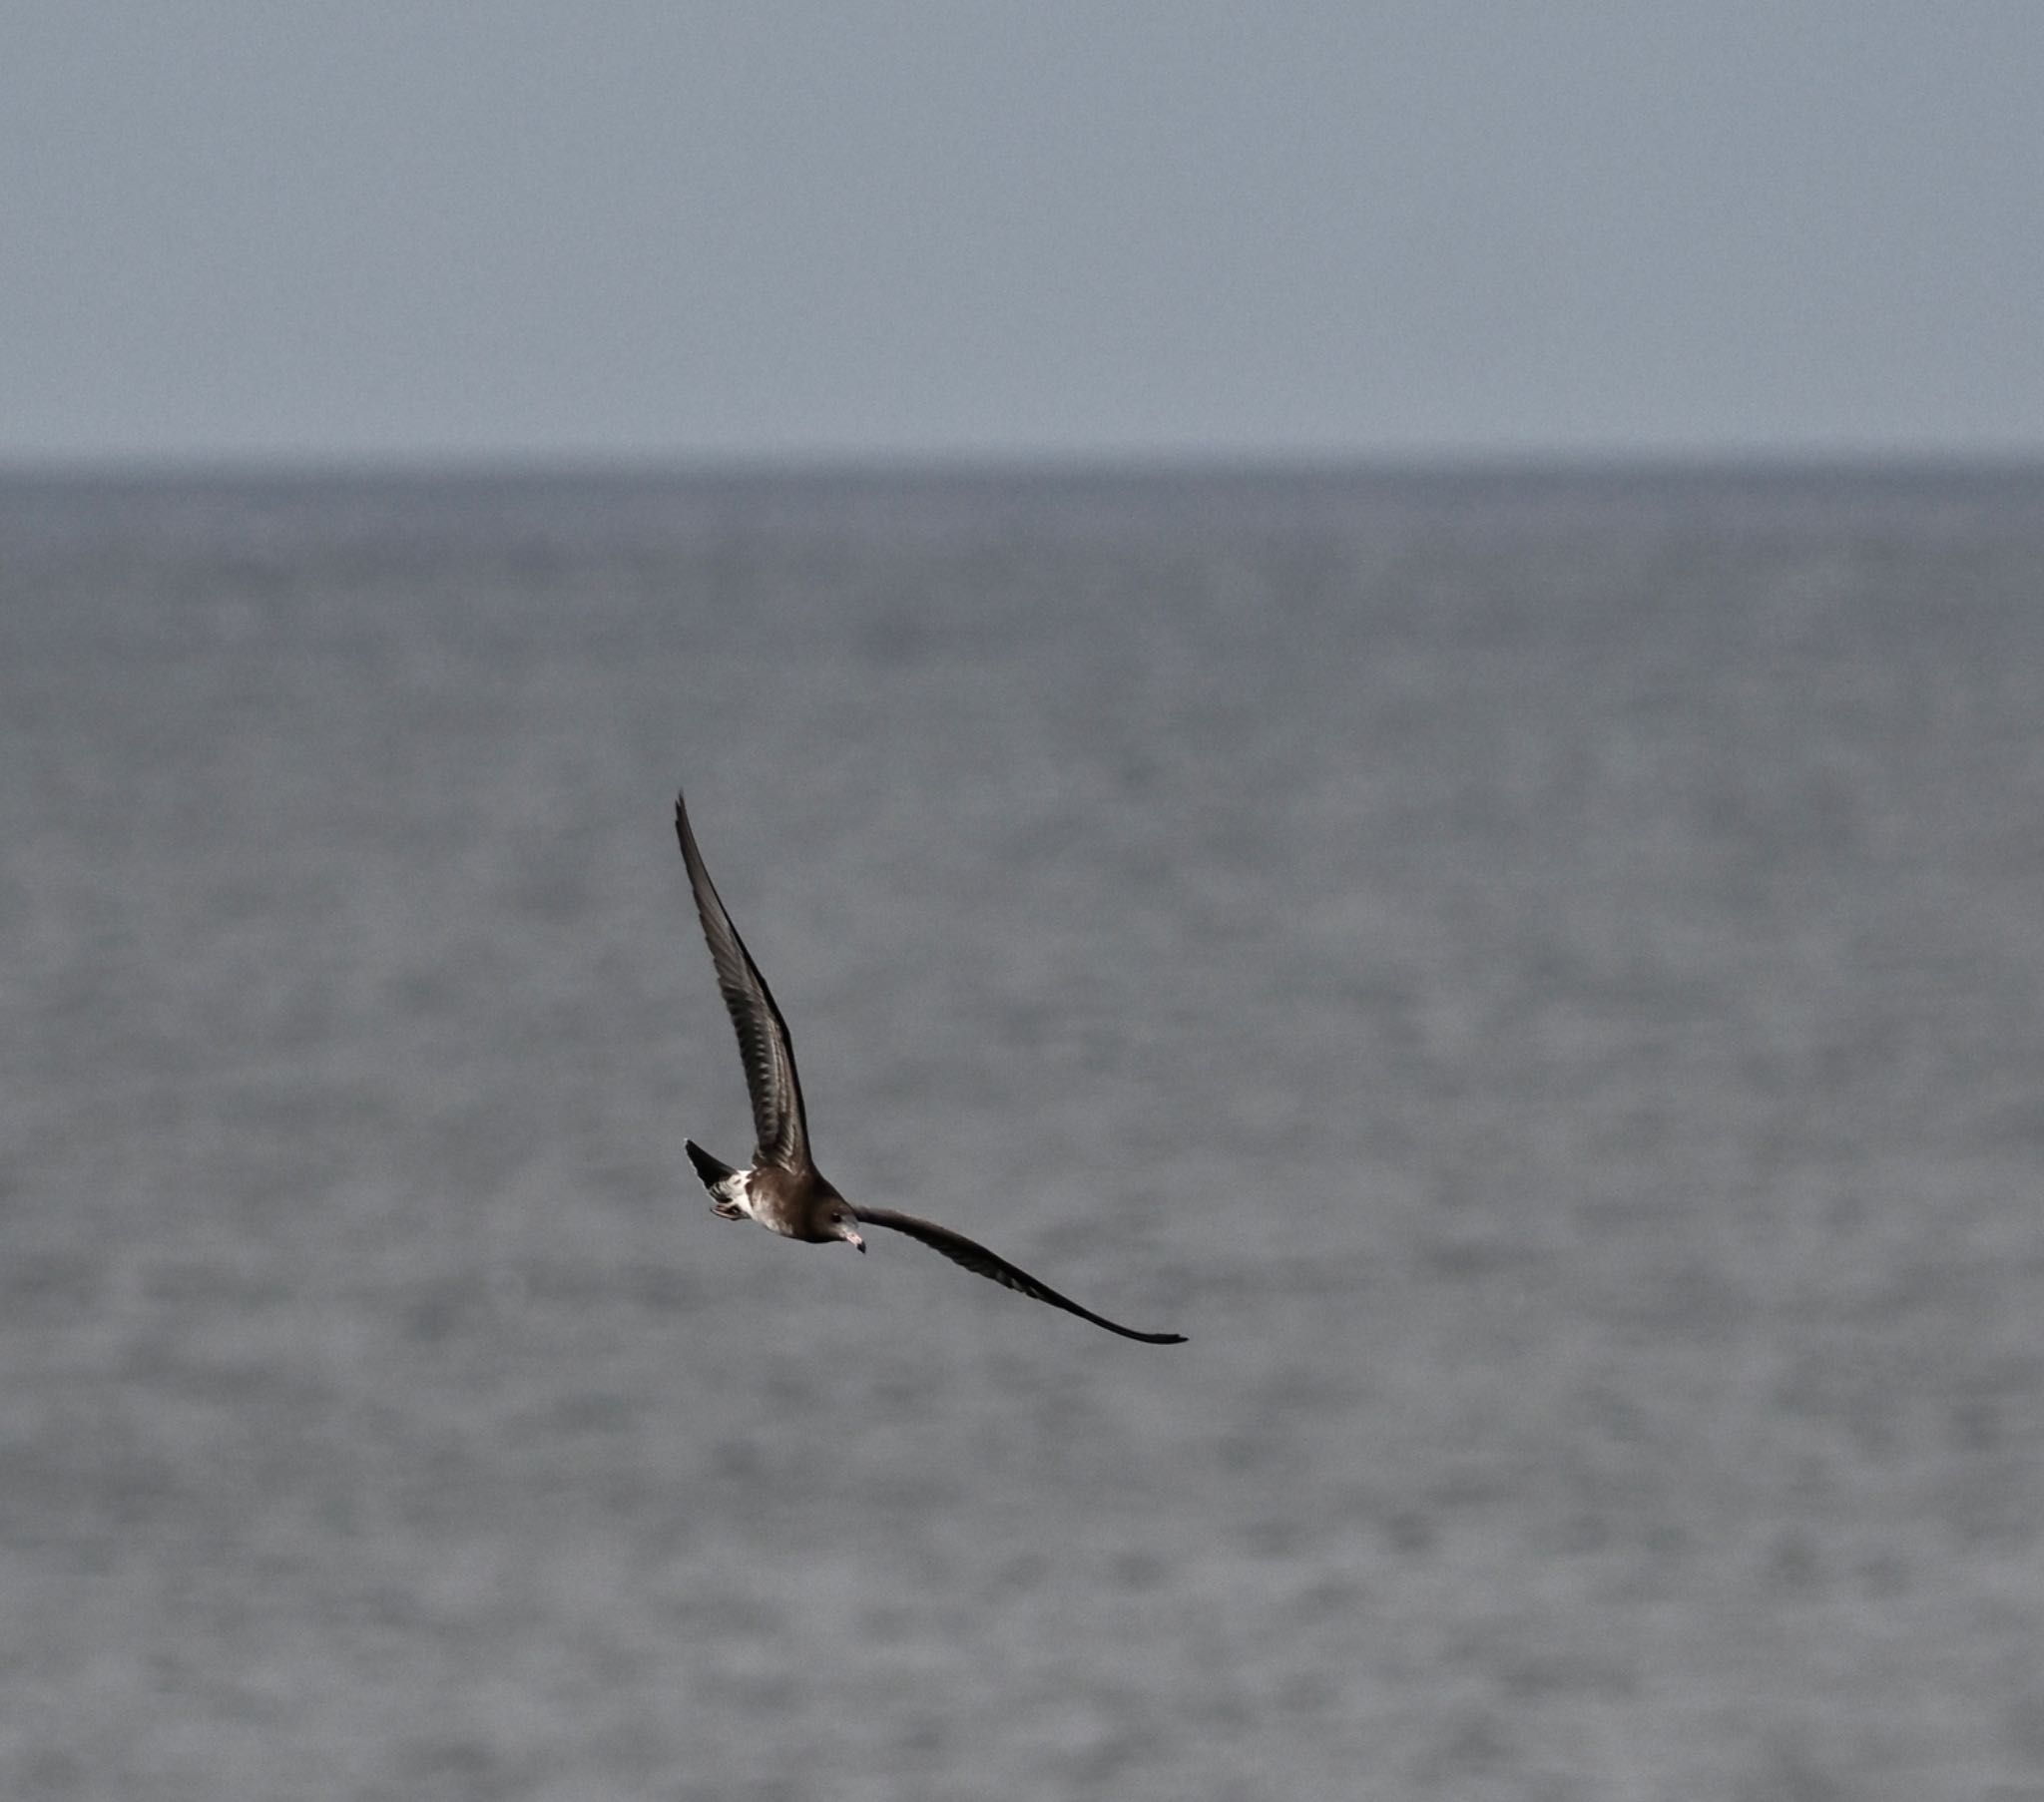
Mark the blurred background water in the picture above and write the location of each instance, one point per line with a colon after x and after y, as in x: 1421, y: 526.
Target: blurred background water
x: 1537, y: 974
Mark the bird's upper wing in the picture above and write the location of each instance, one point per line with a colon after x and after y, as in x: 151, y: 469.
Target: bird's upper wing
x: 961, y: 1250
x: 763, y: 1043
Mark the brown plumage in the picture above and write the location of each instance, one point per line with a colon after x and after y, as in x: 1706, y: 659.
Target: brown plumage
x: 783, y: 1191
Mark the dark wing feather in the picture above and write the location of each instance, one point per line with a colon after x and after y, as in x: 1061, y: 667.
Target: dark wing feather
x: 976, y: 1257
x: 764, y: 1043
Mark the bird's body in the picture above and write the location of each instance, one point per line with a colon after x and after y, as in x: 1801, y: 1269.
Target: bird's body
x: 783, y: 1191
x: 792, y: 1203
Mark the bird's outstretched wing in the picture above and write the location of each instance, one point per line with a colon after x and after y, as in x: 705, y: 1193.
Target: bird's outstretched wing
x: 976, y: 1257
x: 763, y: 1043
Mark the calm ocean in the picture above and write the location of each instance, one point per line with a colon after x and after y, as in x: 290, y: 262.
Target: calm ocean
x: 1541, y: 976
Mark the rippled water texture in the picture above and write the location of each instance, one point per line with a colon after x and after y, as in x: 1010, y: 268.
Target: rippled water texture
x: 1538, y: 977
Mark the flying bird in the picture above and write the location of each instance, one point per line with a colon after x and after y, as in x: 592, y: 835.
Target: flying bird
x: 783, y: 1191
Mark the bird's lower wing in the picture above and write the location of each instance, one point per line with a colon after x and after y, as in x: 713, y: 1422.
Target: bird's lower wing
x: 978, y: 1258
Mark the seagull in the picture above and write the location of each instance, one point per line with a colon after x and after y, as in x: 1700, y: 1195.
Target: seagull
x: 783, y: 1191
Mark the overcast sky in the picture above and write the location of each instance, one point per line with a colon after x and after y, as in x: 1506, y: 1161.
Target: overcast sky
x: 307, y: 229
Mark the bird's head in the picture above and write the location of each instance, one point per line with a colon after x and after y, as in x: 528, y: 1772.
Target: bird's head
x: 839, y: 1223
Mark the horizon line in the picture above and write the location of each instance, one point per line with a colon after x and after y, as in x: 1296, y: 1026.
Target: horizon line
x: 1021, y: 462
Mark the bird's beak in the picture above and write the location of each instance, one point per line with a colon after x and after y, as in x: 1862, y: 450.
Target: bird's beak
x: 857, y: 1240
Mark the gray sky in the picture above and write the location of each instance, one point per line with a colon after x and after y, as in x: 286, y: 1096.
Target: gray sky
x: 241, y: 228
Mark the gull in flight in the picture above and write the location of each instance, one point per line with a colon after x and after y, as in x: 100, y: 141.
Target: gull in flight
x: 783, y: 1191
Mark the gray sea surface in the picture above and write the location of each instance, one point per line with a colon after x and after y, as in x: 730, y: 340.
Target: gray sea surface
x: 1541, y: 976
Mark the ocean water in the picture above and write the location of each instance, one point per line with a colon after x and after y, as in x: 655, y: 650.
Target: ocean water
x: 1540, y: 976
